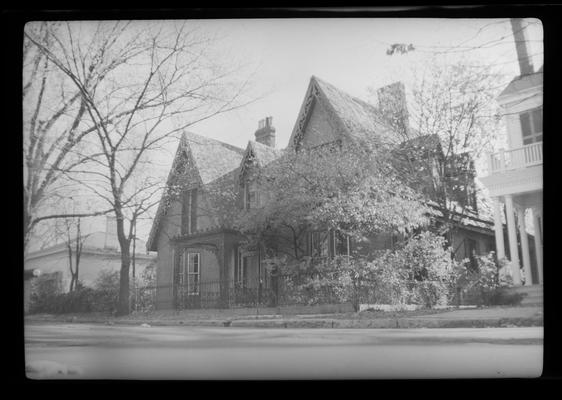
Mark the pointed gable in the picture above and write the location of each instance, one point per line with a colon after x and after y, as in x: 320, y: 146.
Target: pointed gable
x: 336, y: 115
x: 198, y: 161
x: 212, y: 157
x: 259, y: 155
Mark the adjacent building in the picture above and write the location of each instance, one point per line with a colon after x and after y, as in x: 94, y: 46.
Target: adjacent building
x: 515, y: 175
x: 100, y: 251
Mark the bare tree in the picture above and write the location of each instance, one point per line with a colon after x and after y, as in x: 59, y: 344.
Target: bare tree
x: 74, y: 240
x: 54, y: 128
x: 139, y: 83
x: 453, y: 120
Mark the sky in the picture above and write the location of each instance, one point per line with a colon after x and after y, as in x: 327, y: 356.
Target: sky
x: 281, y: 55
x: 348, y: 53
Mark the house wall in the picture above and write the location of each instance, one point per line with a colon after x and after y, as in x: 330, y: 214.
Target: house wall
x: 514, y: 105
x: 169, y: 227
x: 320, y: 128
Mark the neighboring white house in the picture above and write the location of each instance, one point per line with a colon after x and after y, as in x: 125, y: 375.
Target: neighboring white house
x: 100, y: 251
x: 515, y: 176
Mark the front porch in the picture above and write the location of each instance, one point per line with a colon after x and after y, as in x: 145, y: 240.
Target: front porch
x: 515, y: 180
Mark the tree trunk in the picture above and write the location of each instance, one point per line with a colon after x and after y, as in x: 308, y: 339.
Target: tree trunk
x: 26, y: 229
x: 123, y: 305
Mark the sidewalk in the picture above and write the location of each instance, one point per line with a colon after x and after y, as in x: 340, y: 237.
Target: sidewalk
x: 457, y: 318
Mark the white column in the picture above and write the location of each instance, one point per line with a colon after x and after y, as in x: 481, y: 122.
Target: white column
x: 524, y: 246
x: 538, y: 242
x: 498, y: 228
x: 512, y: 234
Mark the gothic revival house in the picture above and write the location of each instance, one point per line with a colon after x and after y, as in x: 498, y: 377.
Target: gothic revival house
x: 202, y: 260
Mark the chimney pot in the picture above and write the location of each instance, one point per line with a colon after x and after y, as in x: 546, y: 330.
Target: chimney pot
x: 266, y: 132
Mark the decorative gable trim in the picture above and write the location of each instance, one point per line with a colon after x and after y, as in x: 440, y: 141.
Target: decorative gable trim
x: 248, y: 161
x: 180, y: 166
x: 304, y: 115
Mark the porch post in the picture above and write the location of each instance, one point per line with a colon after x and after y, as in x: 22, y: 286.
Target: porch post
x: 498, y: 229
x: 524, y: 246
x: 538, y: 243
x: 512, y: 234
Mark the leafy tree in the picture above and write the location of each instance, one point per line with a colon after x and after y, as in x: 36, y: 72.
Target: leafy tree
x: 346, y: 189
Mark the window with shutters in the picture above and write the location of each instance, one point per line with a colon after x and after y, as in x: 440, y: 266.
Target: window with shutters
x: 531, y: 126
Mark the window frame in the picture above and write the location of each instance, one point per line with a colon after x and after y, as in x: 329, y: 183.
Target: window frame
x: 186, y: 275
x: 189, y: 201
x: 534, y: 135
x: 251, y: 196
x: 326, y: 239
x: 337, y: 236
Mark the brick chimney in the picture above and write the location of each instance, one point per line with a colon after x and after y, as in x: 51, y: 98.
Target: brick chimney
x: 518, y: 27
x: 266, y: 132
x: 392, y: 103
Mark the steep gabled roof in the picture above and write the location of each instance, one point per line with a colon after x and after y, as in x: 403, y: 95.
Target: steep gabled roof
x: 260, y: 154
x: 523, y: 82
x: 211, y: 159
x: 357, y: 118
x: 264, y: 154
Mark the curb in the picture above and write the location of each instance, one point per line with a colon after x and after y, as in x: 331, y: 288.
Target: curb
x: 391, y: 323
x: 379, y: 323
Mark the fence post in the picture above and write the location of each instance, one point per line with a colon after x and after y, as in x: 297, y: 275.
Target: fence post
x: 275, y: 286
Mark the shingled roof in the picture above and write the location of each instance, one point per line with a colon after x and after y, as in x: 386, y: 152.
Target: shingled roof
x: 358, y: 119
x: 264, y: 154
x: 212, y: 159
x: 523, y: 82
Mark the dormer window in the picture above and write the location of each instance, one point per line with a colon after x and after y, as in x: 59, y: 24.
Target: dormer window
x: 531, y: 126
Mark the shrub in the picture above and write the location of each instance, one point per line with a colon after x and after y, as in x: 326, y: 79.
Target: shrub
x: 45, y: 291
x: 484, y: 285
x: 106, y: 291
x: 421, y: 271
x: 426, y: 267
x: 47, y: 296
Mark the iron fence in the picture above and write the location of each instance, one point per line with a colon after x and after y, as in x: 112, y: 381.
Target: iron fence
x: 289, y: 290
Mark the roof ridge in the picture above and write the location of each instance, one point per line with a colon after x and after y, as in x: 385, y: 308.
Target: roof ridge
x: 264, y: 146
x: 199, y: 136
x: 355, y: 98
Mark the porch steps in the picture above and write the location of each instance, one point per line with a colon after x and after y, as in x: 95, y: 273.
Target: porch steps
x: 533, y: 294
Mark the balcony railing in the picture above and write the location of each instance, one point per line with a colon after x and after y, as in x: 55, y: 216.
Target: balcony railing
x: 522, y: 157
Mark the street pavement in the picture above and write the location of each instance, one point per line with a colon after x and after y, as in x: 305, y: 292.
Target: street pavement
x: 88, y: 351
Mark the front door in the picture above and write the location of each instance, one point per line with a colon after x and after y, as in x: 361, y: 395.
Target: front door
x: 246, y: 279
x: 189, y: 279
